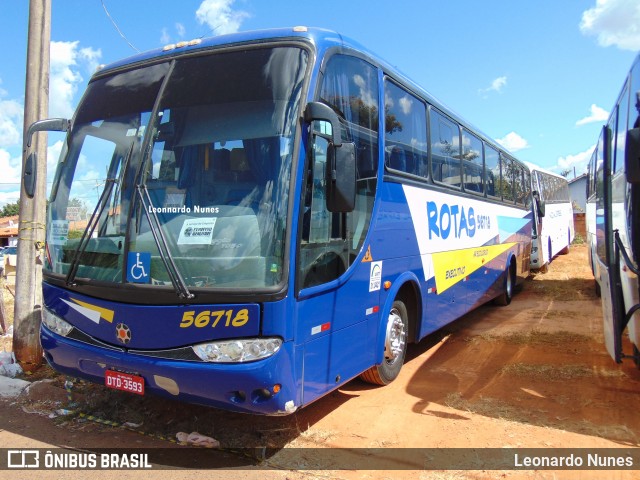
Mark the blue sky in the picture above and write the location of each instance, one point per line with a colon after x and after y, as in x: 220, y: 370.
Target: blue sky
x: 538, y: 76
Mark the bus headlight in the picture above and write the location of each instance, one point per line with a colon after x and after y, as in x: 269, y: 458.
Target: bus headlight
x: 237, y: 351
x: 55, y: 323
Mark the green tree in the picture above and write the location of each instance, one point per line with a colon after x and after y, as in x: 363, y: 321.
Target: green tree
x: 10, y: 209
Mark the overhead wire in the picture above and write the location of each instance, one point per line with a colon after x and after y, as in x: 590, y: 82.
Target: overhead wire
x: 116, y: 26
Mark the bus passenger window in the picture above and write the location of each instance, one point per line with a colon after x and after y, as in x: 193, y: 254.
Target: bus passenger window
x: 472, y: 162
x: 445, y: 150
x: 507, y: 179
x: 520, y: 185
x: 405, y: 131
x: 491, y: 171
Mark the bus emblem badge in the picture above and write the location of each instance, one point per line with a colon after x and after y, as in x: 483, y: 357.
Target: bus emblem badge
x: 123, y: 333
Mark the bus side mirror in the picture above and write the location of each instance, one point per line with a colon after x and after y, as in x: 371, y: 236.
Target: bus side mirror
x: 29, y: 175
x: 321, y: 111
x: 341, y: 178
x: 50, y: 125
x: 31, y: 162
x: 632, y: 155
x: 538, y: 203
x: 341, y: 160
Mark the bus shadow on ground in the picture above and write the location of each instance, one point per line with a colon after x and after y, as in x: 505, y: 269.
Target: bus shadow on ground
x: 549, y: 368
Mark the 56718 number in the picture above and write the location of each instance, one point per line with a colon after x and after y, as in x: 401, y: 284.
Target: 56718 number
x: 228, y: 318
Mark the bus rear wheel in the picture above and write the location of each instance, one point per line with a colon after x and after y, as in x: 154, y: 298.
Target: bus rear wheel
x: 505, y: 297
x: 395, y: 347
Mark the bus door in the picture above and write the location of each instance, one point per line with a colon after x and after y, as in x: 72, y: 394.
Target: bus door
x: 538, y: 212
x: 609, y: 274
x: 338, y: 285
x: 335, y: 310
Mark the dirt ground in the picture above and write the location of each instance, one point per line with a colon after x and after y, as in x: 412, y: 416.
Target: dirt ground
x: 534, y: 374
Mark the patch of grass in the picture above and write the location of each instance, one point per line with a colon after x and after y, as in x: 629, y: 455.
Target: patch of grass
x: 548, y: 372
x: 558, y: 372
x: 493, y: 408
x: 617, y: 432
x: 563, y: 285
x: 559, y: 314
x: 533, y: 337
x: 489, y: 407
x: 317, y: 436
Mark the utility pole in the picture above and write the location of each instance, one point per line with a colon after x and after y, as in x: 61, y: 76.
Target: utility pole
x: 28, y: 303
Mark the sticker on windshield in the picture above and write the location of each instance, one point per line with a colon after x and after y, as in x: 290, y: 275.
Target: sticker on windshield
x: 138, y: 267
x: 197, y: 231
x: 59, y: 232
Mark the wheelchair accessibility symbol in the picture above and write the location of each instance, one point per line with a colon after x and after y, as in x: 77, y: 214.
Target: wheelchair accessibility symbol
x: 138, y: 267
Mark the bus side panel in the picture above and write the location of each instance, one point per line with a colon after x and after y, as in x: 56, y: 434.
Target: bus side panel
x: 332, y: 354
x: 464, y: 244
x: 336, y: 324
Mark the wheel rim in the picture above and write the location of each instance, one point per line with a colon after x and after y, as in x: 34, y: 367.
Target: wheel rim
x: 396, y: 337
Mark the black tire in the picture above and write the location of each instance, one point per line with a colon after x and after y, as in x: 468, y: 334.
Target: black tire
x: 396, y: 335
x: 509, y: 285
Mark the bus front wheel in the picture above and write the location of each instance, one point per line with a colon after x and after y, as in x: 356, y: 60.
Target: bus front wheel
x: 395, y: 347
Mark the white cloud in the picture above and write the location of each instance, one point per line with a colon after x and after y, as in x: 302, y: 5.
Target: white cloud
x: 10, y: 183
x: 513, y: 142
x: 10, y: 167
x: 66, y: 59
x: 220, y: 17
x: 597, y: 115
x: 9, y: 197
x: 90, y: 58
x: 406, y: 104
x: 166, y: 38
x: 496, y: 86
x: 614, y: 22
x: 11, y: 122
x: 53, y: 155
x: 579, y: 161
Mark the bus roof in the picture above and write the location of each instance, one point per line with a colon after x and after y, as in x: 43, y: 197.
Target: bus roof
x: 315, y: 36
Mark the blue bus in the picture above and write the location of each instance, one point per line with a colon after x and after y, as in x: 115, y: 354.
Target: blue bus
x: 252, y: 220
x: 613, y: 219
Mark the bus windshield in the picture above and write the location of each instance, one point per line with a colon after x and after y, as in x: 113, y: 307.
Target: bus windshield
x: 180, y: 170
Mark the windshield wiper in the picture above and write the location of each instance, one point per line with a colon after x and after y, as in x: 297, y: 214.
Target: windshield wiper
x: 94, y: 220
x: 161, y: 242
x: 88, y: 232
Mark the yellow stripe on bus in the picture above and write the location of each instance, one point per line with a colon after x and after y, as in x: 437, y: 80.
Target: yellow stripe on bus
x: 454, y: 266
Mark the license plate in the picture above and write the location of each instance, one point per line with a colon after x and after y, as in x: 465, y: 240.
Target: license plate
x: 124, y: 381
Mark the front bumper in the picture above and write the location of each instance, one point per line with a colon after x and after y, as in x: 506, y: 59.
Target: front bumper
x: 243, y: 387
